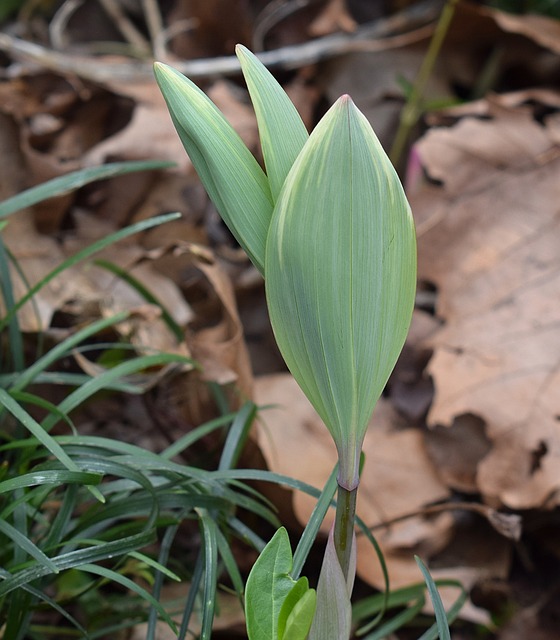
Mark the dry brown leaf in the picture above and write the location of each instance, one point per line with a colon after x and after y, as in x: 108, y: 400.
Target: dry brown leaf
x: 221, y: 349
x: 491, y: 247
x: 150, y: 134
x: 541, y: 29
x: 334, y: 17
x: 398, y: 477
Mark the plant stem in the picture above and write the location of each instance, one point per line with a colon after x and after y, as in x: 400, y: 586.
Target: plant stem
x: 412, y: 109
x: 344, y: 526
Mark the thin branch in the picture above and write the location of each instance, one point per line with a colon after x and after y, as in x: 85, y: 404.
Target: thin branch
x: 59, y: 22
x: 125, y: 26
x: 508, y: 524
x: 155, y: 28
x: 273, y: 13
x: 383, y: 34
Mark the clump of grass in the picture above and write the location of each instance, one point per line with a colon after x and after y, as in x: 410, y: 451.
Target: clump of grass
x: 87, y: 524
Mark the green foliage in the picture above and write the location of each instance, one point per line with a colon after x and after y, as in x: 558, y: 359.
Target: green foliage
x: 339, y: 248
x: 409, y: 603
x: 296, y: 614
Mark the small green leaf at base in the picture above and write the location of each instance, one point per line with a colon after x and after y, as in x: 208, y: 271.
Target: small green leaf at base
x: 276, y: 606
x: 296, y: 614
x: 267, y: 586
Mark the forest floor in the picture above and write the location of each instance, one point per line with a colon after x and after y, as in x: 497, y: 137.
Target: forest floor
x: 463, y: 452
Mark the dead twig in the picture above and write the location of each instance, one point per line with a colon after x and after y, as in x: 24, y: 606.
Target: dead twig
x: 155, y: 28
x: 125, y: 26
x: 508, y: 524
x: 410, y: 25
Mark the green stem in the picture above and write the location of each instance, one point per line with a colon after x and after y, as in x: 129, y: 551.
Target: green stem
x: 412, y: 109
x: 344, y: 526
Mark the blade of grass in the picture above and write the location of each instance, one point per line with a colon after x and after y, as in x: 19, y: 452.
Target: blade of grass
x: 184, y: 442
x: 230, y: 563
x: 76, y: 559
x: 125, y: 276
x: 439, y: 609
x: 21, y: 397
x: 60, y: 350
x: 68, y: 380
x: 163, y: 558
x: 209, y: 530
x: 191, y: 598
x: 398, y: 621
x: 60, y: 523
x: 433, y: 632
x: 23, y: 542
x: 14, y: 332
x: 154, y: 564
x: 313, y: 524
x: 98, y: 383
x: 237, y: 436
x: 44, y: 438
x: 82, y: 255
x: 75, y: 180
x: 49, y: 477
x: 379, y: 553
x: 39, y: 595
x: 127, y: 583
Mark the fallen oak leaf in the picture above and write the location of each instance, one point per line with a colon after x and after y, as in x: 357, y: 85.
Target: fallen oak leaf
x: 492, y: 254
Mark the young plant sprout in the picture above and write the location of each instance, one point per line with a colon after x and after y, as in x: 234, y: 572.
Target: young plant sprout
x: 329, y: 227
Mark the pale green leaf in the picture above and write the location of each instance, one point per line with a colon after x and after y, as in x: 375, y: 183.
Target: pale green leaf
x: 281, y: 130
x: 341, y: 275
x: 229, y: 172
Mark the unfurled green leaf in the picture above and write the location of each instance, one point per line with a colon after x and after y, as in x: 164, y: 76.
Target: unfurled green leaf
x: 281, y: 130
x: 341, y: 274
x: 229, y: 172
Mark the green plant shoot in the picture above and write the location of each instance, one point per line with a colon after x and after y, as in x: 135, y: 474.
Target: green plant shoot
x: 331, y: 230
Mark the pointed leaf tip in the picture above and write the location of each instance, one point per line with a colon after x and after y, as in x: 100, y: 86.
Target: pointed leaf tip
x: 281, y: 129
x: 227, y: 169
